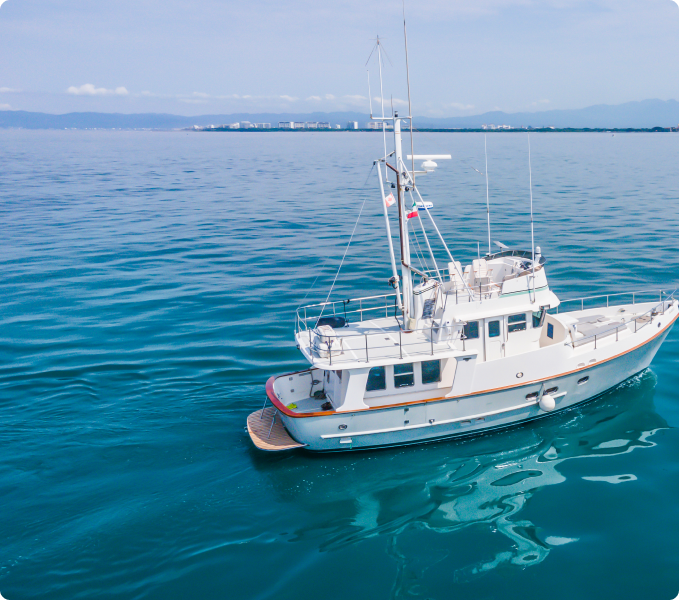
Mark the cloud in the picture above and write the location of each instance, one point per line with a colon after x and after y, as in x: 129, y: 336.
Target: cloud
x: 288, y: 98
x: 314, y: 98
x: 5, y: 107
x: 6, y: 90
x: 88, y: 89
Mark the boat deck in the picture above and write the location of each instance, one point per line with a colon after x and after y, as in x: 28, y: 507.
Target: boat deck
x: 268, y: 433
x: 377, y: 340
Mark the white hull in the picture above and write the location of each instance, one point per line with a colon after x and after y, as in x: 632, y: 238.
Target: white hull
x: 478, y: 412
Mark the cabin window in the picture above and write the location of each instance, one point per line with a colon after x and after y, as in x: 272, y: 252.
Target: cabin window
x: 583, y: 380
x: 471, y: 330
x: 553, y: 390
x: 431, y: 371
x: 404, y: 376
x: 517, y: 322
x: 539, y: 318
x: 377, y: 380
x: 493, y: 329
x: 550, y: 331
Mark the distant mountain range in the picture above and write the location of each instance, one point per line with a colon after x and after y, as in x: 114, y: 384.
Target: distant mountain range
x: 638, y: 115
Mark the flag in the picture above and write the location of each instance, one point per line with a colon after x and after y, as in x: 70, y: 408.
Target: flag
x: 413, y: 211
x: 390, y: 200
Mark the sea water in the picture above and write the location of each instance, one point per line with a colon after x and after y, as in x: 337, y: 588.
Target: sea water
x: 148, y: 283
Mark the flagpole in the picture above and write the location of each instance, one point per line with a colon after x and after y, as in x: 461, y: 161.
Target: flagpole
x: 396, y: 278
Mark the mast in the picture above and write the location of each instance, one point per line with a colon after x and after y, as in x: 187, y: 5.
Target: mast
x: 391, y: 245
x: 406, y: 273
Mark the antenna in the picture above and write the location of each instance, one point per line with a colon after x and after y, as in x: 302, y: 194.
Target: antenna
x: 485, y: 147
x: 410, y: 108
x: 532, y: 236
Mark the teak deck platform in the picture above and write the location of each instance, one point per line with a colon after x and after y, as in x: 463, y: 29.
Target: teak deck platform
x: 268, y: 437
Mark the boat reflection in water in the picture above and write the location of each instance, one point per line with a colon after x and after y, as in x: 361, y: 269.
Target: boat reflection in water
x: 450, y: 486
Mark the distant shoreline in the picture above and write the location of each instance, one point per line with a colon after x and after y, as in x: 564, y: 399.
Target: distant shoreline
x: 440, y: 130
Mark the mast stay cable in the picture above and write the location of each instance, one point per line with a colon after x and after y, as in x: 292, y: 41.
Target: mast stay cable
x: 360, y: 212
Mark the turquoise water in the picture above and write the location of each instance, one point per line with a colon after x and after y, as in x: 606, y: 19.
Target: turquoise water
x: 148, y: 283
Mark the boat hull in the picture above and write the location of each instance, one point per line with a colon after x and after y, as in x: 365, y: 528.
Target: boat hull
x: 465, y: 416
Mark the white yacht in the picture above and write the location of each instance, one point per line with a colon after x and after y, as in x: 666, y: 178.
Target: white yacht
x: 454, y: 351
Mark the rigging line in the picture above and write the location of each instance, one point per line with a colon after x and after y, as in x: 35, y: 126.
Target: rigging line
x: 349, y: 244
x: 433, y: 222
x: 426, y: 238
x: 327, y: 258
x: 384, y: 129
x: 422, y: 260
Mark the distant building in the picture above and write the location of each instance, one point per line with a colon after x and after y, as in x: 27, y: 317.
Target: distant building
x: 311, y: 125
x: 286, y: 124
x: 324, y: 125
x: 352, y: 125
x: 245, y: 124
x: 338, y: 127
x: 262, y: 125
x: 233, y: 126
x: 379, y: 125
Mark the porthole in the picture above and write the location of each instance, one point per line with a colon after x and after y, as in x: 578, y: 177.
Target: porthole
x: 553, y: 390
x: 519, y: 375
x: 532, y: 396
x: 342, y: 427
x: 583, y: 380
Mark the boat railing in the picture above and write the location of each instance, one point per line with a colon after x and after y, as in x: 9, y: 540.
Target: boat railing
x: 336, y: 347
x: 640, y: 321
x: 635, y: 296
x: 306, y: 317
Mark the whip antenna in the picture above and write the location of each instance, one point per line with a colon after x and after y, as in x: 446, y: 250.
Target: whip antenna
x: 410, y: 108
x: 532, y: 236
x: 485, y: 147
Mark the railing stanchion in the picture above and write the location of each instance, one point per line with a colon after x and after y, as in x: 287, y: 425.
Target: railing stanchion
x: 360, y: 308
x: 606, y: 301
x: 400, y: 343
x: 595, y: 341
x: 366, y: 348
x: 617, y: 328
x: 431, y: 338
x: 386, y: 308
x: 272, y: 423
x: 582, y: 304
x: 633, y: 298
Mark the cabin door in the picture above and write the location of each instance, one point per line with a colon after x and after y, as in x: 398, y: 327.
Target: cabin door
x: 495, y: 338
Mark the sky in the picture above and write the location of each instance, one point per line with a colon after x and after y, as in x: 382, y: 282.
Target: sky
x: 222, y: 57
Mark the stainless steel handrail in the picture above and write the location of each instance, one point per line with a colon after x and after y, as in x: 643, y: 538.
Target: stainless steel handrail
x: 652, y: 311
x: 368, y: 348
x: 608, y: 296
